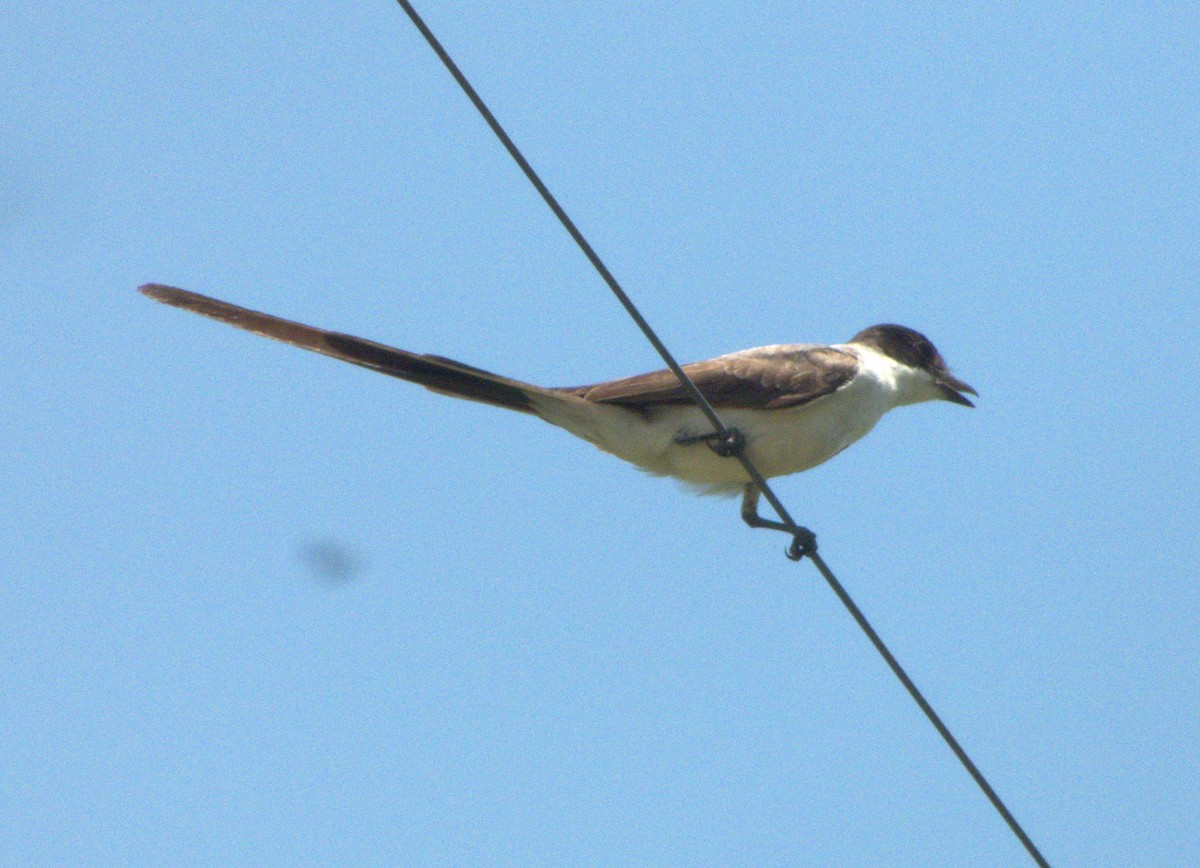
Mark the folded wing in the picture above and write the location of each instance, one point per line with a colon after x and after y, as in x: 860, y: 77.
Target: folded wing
x: 771, y: 379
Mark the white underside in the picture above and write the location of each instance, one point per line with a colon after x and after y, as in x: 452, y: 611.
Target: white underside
x: 778, y: 442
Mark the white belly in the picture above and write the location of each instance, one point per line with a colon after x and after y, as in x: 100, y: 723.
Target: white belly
x: 779, y: 442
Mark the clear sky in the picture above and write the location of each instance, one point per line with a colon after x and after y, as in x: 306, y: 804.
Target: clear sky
x: 260, y: 607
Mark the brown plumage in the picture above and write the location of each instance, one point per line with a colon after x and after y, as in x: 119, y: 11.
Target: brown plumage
x: 433, y: 372
x: 771, y: 383
x: 774, y: 383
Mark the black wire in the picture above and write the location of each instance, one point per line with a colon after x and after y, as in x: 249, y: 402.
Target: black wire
x: 702, y: 402
x: 694, y: 393
x: 916, y: 694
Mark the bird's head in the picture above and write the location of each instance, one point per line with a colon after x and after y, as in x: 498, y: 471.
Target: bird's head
x: 931, y: 378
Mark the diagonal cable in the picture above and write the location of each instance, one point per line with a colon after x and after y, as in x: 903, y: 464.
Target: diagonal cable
x: 705, y: 407
x: 696, y: 395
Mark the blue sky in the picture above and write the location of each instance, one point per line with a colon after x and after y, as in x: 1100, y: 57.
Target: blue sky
x: 533, y: 653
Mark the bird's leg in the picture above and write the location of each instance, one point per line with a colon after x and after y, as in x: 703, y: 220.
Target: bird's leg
x: 750, y: 511
x: 730, y: 445
x: 804, y: 541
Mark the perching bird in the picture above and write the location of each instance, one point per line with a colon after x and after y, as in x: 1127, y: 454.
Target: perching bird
x: 793, y: 406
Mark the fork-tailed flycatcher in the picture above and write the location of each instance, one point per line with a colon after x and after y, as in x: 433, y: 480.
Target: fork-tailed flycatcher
x: 793, y: 406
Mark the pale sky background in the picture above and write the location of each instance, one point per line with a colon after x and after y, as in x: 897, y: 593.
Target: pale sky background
x: 260, y: 607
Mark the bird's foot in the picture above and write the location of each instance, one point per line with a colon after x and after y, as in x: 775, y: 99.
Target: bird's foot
x: 804, y: 543
x: 728, y: 445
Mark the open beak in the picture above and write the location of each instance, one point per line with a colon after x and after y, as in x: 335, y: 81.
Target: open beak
x: 953, y: 388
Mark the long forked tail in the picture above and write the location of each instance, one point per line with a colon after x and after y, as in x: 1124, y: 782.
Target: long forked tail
x: 441, y: 375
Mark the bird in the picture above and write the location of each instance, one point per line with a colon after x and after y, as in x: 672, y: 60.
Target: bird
x: 788, y: 407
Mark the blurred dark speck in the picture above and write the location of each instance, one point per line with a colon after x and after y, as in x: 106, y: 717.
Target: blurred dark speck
x: 330, y: 561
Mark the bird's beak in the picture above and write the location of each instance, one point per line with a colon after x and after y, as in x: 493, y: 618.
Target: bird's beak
x: 953, y: 388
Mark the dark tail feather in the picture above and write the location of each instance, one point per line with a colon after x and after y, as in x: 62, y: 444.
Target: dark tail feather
x: 434, y: 372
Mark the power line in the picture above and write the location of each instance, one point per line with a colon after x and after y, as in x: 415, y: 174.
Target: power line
x: 729, y: 440
x: 727, y: 436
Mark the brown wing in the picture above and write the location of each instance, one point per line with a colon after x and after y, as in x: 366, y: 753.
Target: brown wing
x: 771, y: 381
